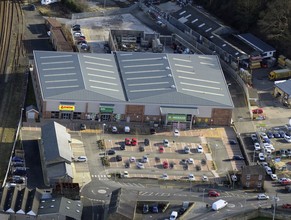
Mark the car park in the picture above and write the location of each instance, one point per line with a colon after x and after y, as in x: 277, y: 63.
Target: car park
x: 186, y: 149
x: 269, y: 146
x: 146, y: 142
x: 166, y: 143
x: 111, y: 152
x: 238, y: 157
x: 133, y: 142
x: 191, y: 177
x: 165, y: 165
x: 262, y: 196
x: 199, y: 149
x: 213, y: 193
x: 176, y: 132
x: 118, y: 158
x: 140, y: 165
x: 81, y: 159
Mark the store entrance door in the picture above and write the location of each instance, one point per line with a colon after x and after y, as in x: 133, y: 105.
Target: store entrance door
x: 105, y: 117
x: 66, y: 115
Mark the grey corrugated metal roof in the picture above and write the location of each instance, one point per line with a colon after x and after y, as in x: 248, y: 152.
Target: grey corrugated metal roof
x: 67, y: 76
x: 59, y: 170
x: 184, y: 110
x: 56, y: 144
x: 256, y: 42
x: 284, y: 86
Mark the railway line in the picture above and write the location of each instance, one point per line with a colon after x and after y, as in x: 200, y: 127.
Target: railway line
x: 11, y: 79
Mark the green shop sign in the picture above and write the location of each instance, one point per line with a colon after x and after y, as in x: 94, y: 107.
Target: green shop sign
x: 176, y: 118
x: 106, y: 109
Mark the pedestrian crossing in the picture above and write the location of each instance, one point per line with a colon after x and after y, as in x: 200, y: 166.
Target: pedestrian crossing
x: 124, y: 184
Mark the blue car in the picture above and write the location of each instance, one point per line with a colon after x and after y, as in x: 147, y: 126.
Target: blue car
x: 155, y: 209
x: 270, y: 134
x: 282, y: 133
x: 266, y: 140
x: 276, y: 134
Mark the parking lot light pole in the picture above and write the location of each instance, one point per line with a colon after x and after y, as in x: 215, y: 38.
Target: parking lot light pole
x: 275, y: 200
x: 203, y: 195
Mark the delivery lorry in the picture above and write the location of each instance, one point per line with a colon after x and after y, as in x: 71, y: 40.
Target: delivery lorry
x: 219, y: 204
x: 280, y: 74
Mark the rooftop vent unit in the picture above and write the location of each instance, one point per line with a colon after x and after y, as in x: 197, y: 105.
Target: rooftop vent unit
x: 164, y: 57
x: 170, y: 75
x: 168, y: 68
x: 77, y: 210
x: 68, y: 207
x: 173, y: 86
x: 69, y: 202
x: 52, y: 206
x: 41, y: 207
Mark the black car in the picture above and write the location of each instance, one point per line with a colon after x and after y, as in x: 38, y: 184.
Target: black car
x: 238, y: 157
x: 270, y: 134
x: 76, y: 26
x: 276, y: 134
x: 82, y: 127
x: 76, y: 29
x: 154, y: 208
x: 145, y: 209
x: 232, y: 142
x: 141, y: 148
x: 127, y: 164
x: 118, y: 158
x: 182, y: 210
x: 152, y: 131
x: 122, y: 146
x: 146, y: 142
x: 111, y: 152
x: 282, y: 133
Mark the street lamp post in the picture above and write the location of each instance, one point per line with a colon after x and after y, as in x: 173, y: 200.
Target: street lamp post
x: 275, y: 200
x: 103, y: 127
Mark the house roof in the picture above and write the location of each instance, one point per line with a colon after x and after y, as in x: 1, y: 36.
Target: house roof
x: 59, y: 170
x: 56, y: 144
x: 256, y: 42
x: 151, y: 78
x: 253, y: 170
x: 31, y: 108
x: 284, y: 86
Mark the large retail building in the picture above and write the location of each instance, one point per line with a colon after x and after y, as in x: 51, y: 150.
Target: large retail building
x: 132, y: 87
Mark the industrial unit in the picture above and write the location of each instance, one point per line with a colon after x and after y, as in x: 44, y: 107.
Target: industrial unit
x: 132, y: 87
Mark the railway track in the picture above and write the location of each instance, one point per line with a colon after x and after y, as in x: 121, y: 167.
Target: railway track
x: 11, y: 81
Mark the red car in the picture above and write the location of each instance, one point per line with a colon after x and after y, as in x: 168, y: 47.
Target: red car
x: 286, y: 182
x: 165, y: 165
x: 286, y: 206
x: 161, y: 149
x: 213, y: 193
x: 127, y: 141
x: 133, y: 141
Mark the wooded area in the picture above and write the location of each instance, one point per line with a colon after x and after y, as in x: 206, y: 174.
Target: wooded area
x: 270, y: 20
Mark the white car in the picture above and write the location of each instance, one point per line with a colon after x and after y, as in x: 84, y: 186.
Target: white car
x: 125, y: 174
x: 261, y: 156
x: 174, y: 215
x: 199, y: 149
x: 190, y: 161
x: 254, y: 137
x: 264, y: 135
x: 268, y: 151
x: 257, y: 146
x: 191, y: 177
x: 264, y: 164
x: 268, y: 170
x: 287, y: 138
x: 166, y: 143
x: 262, y: 196
x: 114, y: 129
x: 145, y: 159
x: 274, y: 177
x: 186, y: 150
x: 140, y: 165
x: 269, y: 146
x: 165, y: 176
x: 132, y: 159
x: 204, y: 178
x: 176, y: 132
x: 81, y: 159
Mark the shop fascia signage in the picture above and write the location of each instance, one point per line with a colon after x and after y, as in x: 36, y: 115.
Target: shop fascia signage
x: 177, y: 117
x: 106, y: 109
x: 66, y: 108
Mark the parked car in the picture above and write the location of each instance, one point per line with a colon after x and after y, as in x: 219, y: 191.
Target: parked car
x: 111, y: 152
x: 141, y: 148
x: 165, y: 165
x: 145, y: 159
x: 17, y: 159
x: 286, y: 206
x: 182, y: 211
x: 282, y: 133
x: 276, y: 134
x: 82, y: 127
x: 166, y: 143
x: 263, y: 135
x: 190, y: 161
x: 152, y: 131
x: 186, y: 149
x: 125, y: 174
x: 127, y: 129
x: 165, y: 176
x: 81, y: 159
x: 174, y: 215
x: 176, y: 132
x: 140, y: 165
x: 161, y: 149
x: 133, y: 142
x: 127, y: 141
x: 254, y: 137
x: 232, y: 142
x: 262, y: 196
x: 155, y: 208
x: 114, y: 130
x: 287, y: 138
x: 191, y: 177
x: 266, y: 140
x: 257, y: 146
x: 127, y: 164
x: 270, y: 134
x: 122, y: 146
x: 118, y: 158
x: 274, y: 176
x: 199, y: 149
x: 145, y: 209
x: 261, y: 156
x: 204, y: 178
x: 213, y: 193
x: 146, y: 142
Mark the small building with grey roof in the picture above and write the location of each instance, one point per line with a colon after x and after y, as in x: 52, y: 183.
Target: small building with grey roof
x: 282, y: 91
x: 130, y: 86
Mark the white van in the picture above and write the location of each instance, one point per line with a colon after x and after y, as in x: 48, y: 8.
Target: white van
x: 126, y: 129
x: 219, y: 204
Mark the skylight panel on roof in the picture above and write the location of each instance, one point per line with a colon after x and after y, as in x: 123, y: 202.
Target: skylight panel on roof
x: 59, y: 68
x: 203, y: 92
x: 201, y: 80
x: 146, y: 77
x: 183, y: 71
x: 60, y: 74
x: 201, y: 25
x: 52, y: 57
x: 97, y: 58
x: 194, y: 20
x: 144, y: 71
x: 101, y: 70
x: 183, y: 60
x: 58, y: 81
x: 211, y: 36
x: 101, y: 76
x: 180, y: 65
x: 183, y: 12
x: 56, y: 62
x: 63, y: 87
x: 144, y: 65
x: 149, y: 90
x: 209, y: 29
x: 141, y: 59
x: 199, y: 85
x: 188, y: 16
x: 98, y: 64
x: 223, y: 45
x: 145, y: 84
x: 209, y: 64
x: 102, y: 82
x: 103, y: 88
